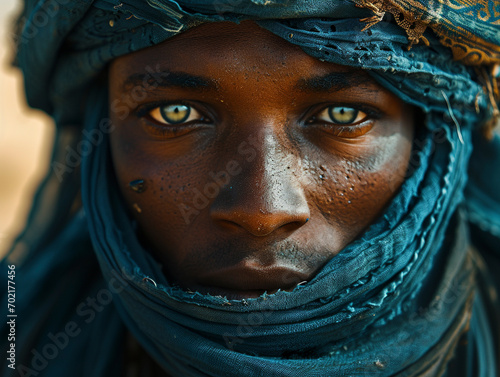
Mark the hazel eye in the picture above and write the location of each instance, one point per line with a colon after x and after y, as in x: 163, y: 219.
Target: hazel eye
x: 176, y: 113
x: 344, y: 122
x: 341, y: 115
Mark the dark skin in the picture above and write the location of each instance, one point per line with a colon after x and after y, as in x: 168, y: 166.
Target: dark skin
x: 260, y: 163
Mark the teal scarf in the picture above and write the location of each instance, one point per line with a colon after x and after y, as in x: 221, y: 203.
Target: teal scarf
x: 399, y: 301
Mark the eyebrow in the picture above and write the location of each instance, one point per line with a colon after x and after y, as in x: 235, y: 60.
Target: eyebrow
x: 168, y: 79
x: 331, y: 82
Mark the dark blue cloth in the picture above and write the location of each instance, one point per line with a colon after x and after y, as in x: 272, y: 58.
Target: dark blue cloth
x: 397, y: 301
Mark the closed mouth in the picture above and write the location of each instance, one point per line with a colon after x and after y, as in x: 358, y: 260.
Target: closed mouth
x: 249, y: 280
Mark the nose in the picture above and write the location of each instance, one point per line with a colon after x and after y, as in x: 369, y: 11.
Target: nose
x: 267, y: 194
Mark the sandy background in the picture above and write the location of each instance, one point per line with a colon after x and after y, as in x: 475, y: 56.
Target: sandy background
x: 25, y: 139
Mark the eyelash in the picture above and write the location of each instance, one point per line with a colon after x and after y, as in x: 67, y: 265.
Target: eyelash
x: 346, y: 130
x: 174, y: 129
x: 338, y: 129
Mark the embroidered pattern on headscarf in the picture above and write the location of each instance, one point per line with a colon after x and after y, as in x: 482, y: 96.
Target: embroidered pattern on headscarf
x: 468, y: 41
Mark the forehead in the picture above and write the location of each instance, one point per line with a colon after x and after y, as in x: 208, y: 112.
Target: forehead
x: 227, y: 49
x: 245, y: 61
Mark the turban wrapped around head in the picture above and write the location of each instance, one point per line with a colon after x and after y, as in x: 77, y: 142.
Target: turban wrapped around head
x: 398, y: 301
x: 86, y: 35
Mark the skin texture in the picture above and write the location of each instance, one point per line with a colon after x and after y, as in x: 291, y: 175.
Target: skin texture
x: 259, y: 188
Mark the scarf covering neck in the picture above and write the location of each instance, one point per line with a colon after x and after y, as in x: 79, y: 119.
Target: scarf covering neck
x: 395, y: 302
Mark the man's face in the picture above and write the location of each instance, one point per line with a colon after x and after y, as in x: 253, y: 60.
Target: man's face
x: 260, y: 163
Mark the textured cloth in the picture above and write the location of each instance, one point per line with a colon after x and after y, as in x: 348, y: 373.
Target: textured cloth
x: 470, y: 28
x: 85, y: 35
x: 402, y: 300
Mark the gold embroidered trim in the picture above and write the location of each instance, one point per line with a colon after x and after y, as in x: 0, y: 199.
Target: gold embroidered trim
x: 466, y: 47
x: 414, y: 18
x: 412, y: 23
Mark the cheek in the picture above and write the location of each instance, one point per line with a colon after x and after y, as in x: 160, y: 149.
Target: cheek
x: 176, y: 197
x: 167, y: 186
x: 351, y: 192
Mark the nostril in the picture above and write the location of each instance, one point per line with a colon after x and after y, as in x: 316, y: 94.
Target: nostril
x: 261, y: 223
x: 264, y: 198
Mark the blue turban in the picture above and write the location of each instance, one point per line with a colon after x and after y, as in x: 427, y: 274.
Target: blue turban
x: 413, y: 292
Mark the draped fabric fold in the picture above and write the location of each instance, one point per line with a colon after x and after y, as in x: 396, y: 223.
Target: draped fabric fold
x: 470, y: 29
x: 396, y: 302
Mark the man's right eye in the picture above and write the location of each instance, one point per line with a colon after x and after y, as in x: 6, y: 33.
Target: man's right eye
x: 170, y: 120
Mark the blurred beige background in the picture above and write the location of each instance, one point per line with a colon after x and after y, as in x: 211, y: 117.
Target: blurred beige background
x: 25, y: 139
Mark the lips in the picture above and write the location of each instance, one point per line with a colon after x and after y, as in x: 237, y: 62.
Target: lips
x: 247, y: 279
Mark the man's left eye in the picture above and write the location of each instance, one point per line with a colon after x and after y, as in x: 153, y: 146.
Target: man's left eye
x: 174, y: 114
x: 341, y: 115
